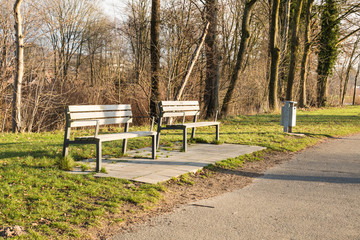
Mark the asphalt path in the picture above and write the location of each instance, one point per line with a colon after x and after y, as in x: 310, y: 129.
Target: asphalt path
x: 315, y: 195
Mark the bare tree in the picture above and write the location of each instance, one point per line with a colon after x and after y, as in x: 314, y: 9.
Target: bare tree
x: 348, y: 70
x: 245, y: 36
x: 294, y: 48
x: 193, y: 59
x: 19, y: 71
x: 67, y: 20
x: 356, y: 79
x: 306, y: 53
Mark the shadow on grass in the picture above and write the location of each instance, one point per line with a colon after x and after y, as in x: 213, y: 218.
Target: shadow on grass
x: 35, y: 154
x: 265, y: 119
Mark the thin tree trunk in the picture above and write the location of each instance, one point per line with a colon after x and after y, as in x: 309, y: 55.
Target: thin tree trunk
x: 211, y: 94
x: 305, y: 58
x: 294, y: 48
x: 19, y: 69
x: 356, y: 78
x: 245, y: 36
x: 192, y: 63
x: 348, y: 71
x: 155, y: 56
x: 286, y: 30
x: 284, y: 46
x: 275, y: 56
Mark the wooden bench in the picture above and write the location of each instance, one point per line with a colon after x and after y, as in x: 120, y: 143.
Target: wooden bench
x: 97, y: 115
x: 170, y: 109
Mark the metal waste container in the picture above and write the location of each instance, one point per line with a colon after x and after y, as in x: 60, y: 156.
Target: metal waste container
x: 288, y: 116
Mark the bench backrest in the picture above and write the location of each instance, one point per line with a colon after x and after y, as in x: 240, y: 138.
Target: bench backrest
x: 179, y: 108
x: 81, y: 115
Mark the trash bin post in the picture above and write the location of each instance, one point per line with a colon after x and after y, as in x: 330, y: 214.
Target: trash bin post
x: 288, y: 116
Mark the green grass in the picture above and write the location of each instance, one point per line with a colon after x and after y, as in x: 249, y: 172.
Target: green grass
x: 50, y: 203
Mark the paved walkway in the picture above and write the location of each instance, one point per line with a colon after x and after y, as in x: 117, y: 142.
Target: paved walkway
x: 173, y: 163
x: 316, y: 195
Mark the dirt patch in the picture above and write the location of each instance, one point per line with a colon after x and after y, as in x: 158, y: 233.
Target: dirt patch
x: 9, y: 232
x: 203, y: 185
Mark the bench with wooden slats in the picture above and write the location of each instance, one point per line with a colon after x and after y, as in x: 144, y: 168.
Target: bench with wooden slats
x: 97, y: 115
x: 171, y: 109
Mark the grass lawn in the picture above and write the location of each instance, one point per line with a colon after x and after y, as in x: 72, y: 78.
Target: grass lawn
x: 50, y: 203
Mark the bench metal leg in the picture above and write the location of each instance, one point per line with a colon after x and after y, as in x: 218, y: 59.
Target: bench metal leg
x: 217, y: 132
x: 193, y: 133
x: 98, y: 156
x: 185, y: 139
x: 66, y: 143
x: 153, y: 148
x: 158, y: 140
x: 65, y: 149
x: 124, y: 146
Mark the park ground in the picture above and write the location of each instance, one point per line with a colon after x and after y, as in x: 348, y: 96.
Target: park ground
x: 47, y: 202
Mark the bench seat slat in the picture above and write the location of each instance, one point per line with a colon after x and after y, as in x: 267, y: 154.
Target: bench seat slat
x: 179, y: 103
x: 106, y: 121
x: 94, y: 115
x: 180, y: 108
x: 180, y: 114
x: 117, y: 136
x: 93, y: 108
x: 196, y: 124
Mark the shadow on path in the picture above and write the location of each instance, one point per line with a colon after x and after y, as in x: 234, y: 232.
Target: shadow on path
x: 327, y: 179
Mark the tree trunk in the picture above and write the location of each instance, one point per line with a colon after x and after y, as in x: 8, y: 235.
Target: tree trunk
x: 328, y: 50
x: 245, y: 35
x: 211, y: 94
x: 305, y: 58
x: 294, y: 48
x: 356, y: 78
x: 284, y: 46
x: 275, y: 56
x: 348, y: 71
x: 155, y: 56
x: 19, y: 69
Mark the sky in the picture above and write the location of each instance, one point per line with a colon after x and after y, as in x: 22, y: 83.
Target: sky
x: 113, y: 7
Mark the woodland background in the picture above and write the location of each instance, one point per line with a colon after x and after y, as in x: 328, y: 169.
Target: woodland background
x: 255, y: 54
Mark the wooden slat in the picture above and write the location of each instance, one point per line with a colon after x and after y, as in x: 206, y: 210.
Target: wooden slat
x: 180, y: 108
x: 179, y: 103
x: 117, y: 136
x: 180, y: 114
x: 93, y: 108
x: 95, y: 115
x: 101, y: 122
x: 200, y: 124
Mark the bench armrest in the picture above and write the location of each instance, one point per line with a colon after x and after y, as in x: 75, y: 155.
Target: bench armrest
x: 96, y: 129
x: 152, y: 124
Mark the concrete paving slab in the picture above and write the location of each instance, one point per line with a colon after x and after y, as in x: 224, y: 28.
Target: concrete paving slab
x: 137, y: 166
